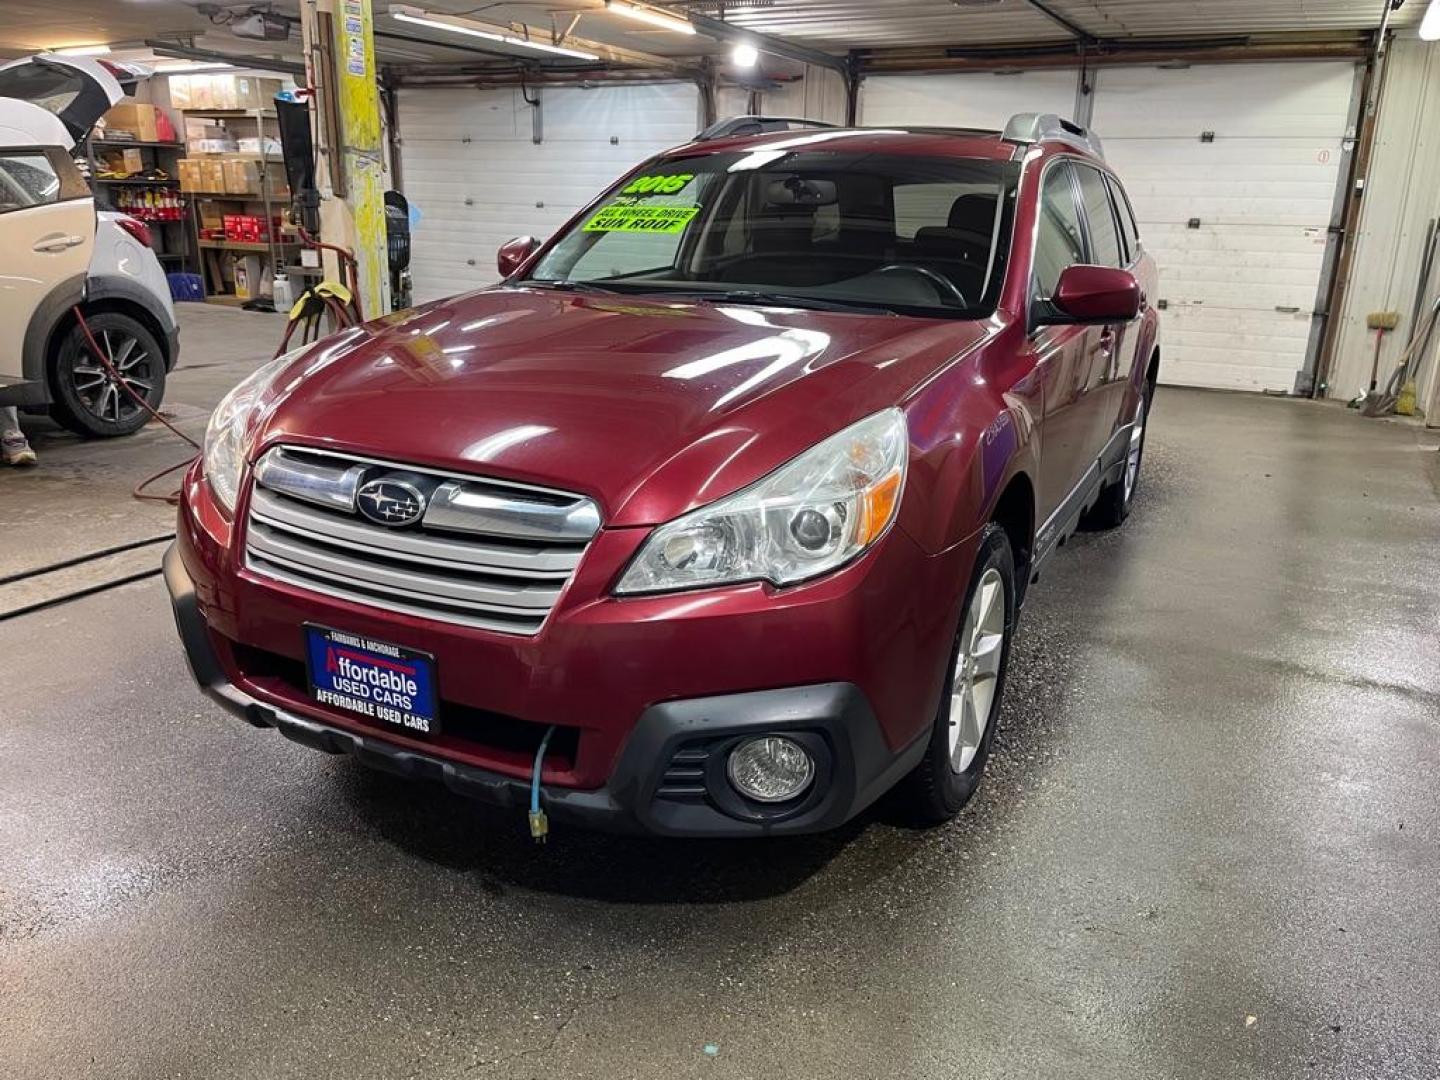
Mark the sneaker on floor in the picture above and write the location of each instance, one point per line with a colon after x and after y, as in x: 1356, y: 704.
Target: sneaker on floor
x: 15, y: 450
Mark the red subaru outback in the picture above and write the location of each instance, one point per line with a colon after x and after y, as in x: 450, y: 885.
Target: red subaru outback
x: 716, y: 515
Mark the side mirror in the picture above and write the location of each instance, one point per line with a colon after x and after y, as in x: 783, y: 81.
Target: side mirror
x: 1091, y: 294
x: 513, y: 253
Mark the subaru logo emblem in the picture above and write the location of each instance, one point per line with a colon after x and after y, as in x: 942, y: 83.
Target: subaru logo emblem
x: 395, y: 503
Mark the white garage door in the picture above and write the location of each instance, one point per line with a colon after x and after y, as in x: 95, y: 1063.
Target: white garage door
x: 976, y: 99
x: 471, y: 167
x: 1238, y: 224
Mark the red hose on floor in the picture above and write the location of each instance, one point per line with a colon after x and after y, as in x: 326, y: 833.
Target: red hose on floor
x: 138, y: 491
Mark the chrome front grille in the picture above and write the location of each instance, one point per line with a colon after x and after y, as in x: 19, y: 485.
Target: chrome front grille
x: 486, y: 553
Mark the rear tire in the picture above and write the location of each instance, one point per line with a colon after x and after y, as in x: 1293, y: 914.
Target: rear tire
x: 1115, y: 500
x: 85, y: 398
x: 960, y: 737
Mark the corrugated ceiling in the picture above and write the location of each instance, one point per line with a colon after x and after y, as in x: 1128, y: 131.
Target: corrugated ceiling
x: 833, y: 25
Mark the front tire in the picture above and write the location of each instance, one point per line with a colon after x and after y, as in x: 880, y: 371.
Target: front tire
x: 86, y: 399
x: 965, y: 722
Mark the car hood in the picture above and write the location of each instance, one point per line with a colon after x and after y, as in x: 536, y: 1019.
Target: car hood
x: 651, y: 407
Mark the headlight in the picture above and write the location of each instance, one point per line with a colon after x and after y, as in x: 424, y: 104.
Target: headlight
x: 811, y: 515
x: 227, y: 433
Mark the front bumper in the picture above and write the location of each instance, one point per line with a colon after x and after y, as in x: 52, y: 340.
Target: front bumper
x: 669, y: 776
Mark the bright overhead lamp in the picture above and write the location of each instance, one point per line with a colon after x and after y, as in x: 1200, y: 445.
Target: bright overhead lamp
x: 653, y: 17
x: 178, y: 67
x: 83, y: 50
x: 456, y: 25
x: 1430, y: 25
x: 745, y: 55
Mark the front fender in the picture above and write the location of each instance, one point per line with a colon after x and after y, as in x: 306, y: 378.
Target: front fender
x: 973, y: 430
x: 120, y: 291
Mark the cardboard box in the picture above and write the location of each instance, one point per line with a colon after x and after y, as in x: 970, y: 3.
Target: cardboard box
x: 201, y: 96
x: 137, y: 121
x: 212, y: 175
x: 123, y: 162
x: 241, y: 177
x: 189, y: 170
x: 179, y: 86
x: 251, y: 92
x: 250, y: 277
x: 211, y: 214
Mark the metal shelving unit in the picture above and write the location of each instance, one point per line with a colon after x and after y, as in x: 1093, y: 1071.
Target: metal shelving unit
x: 273, y: 248
x: 174, y: 239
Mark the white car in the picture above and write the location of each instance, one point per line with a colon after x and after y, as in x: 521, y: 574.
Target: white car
x: 57, y: 253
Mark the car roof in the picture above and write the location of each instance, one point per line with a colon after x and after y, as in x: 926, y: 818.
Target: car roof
x: 914, y: 141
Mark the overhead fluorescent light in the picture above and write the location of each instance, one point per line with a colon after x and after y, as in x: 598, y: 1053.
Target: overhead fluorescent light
x: 1430, y: 26
x: 83, y: 50
x: 456, y: 25
x: 177, y: 67
x: 651, y: 16
x: 745, y: 55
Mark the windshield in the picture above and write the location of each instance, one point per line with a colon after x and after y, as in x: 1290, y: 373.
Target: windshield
x: 824, y: 228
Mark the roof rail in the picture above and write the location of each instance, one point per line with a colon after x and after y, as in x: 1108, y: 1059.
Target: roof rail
x: 756, y: 125
x: 1027, y: 128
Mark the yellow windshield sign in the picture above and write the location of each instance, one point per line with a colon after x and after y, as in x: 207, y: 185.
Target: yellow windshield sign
x: 642, y: 219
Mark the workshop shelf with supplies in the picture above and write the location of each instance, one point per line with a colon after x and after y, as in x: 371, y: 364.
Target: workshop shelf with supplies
x: 233, y: 179
x: 132, y: 157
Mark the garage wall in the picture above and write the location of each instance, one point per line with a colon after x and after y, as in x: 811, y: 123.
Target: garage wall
x: 1402, y: 195
x: 974, y: 99
x: 472, y: 169
x: 1239, y: 289
x: 1237, y: 224
x: 819, y: 94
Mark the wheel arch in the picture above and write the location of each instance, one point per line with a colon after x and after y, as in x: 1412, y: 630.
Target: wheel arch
x: 1014, y: 511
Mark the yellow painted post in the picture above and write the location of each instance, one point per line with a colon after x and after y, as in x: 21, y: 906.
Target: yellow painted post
x: 361, y: 149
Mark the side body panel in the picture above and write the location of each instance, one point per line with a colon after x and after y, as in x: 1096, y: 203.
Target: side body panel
x: 45, y: 247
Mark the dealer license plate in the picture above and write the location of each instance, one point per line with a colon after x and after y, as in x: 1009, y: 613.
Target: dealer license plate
x: 374, y: 679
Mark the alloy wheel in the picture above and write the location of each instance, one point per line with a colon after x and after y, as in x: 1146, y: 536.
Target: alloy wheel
x: 1137, y: 446
x: 977, y: 669
x: 99, y: 391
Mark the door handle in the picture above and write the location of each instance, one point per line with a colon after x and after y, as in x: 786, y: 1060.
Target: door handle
x: 57, y: 243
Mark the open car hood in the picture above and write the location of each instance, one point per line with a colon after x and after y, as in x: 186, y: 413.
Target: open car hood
x: 76, y: 90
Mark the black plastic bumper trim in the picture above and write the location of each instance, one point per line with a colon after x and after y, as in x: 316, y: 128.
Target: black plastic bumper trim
x: 862, y: 765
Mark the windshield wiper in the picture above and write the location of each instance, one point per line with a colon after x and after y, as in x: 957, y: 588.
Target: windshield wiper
x: 781, y: 299
x: 563, y: 285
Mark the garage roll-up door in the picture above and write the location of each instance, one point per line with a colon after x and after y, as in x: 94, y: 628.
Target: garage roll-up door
x: 976, y: 99
x: 1233, y: 172
x: 471, y: 166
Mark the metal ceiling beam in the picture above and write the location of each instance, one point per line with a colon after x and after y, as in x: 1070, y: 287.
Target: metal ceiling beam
x: 730, y: 33
x: 1078, y: 32
x: 188, y: 52
x: 911, y: 62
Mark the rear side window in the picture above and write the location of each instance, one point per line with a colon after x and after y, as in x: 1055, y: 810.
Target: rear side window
x: 1126, y: 214
x: 1060, y: 241
x: 1106, y: 248
x: 37, y: 178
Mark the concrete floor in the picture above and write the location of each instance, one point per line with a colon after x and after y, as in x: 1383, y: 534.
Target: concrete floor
x: 1208, y: 845
x: 78, y: 501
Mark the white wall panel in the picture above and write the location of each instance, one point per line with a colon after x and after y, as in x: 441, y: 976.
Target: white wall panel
x: 818, y: 95
x: 974, y: 99
x: 1240, y: 289
x: 1402, y: 195
x: 478, y: 179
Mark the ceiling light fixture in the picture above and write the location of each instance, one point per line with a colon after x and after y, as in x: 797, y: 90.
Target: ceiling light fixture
x: 745, y: 55
x: 1430, y: 25
x: 455, y: 25
x: 83, y: 50
x: 178, y: 67
x: 653, y: 17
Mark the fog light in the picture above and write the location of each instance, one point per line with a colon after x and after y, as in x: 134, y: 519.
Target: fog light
x: 771, y: 770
